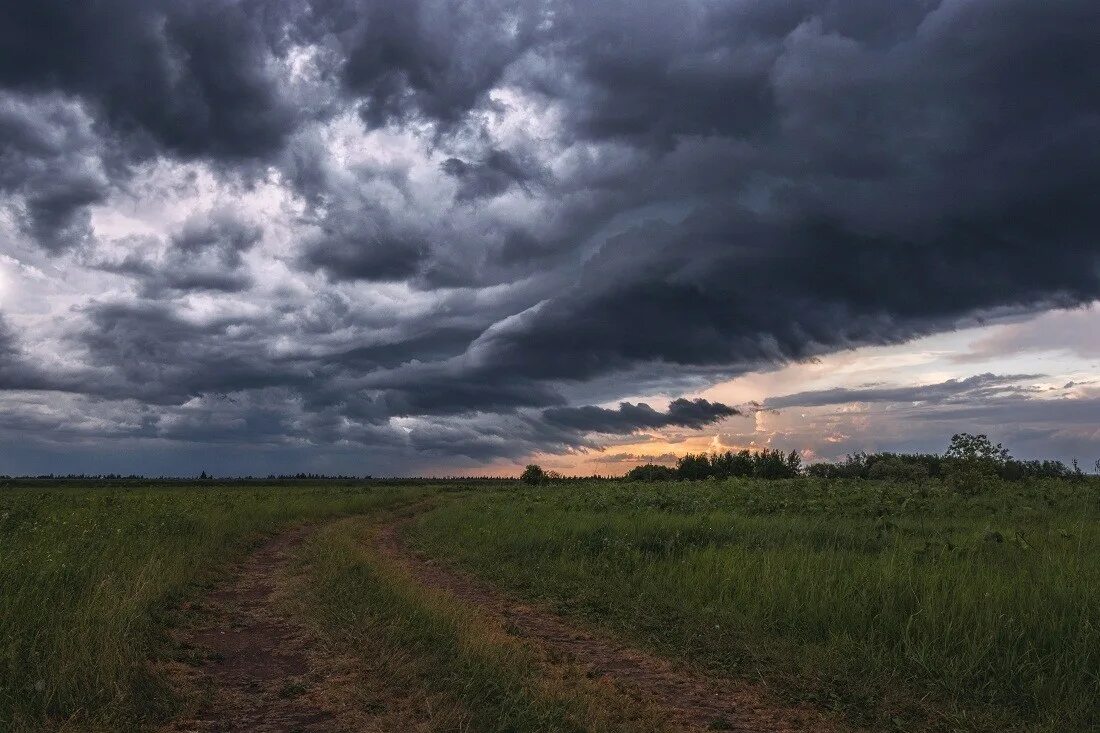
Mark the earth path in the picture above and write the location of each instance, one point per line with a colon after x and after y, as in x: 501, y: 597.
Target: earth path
x: 255, y: 667
x: 696, y: 701
x: 259, y: 669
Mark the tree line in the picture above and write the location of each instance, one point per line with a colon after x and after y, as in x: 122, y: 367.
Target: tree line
x: 968, y: 459
x: 765, y: 463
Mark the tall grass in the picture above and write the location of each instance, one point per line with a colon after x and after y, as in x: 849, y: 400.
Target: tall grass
x: 88, y: 577
x: 443, y: 663
x: 903, y: 605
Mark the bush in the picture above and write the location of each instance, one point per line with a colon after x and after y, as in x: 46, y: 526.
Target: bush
x: 692, y: 467
x: 533, y: 474
x: 970, y: 477
x: 650, y: 472
x: 766, y: 463
x: 896, y: 468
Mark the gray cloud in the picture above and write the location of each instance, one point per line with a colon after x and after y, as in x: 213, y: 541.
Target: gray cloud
x: 206, y: 254
x: 977, y: 387
x: 1073, y: 331
x: 350, y: 250
x: 434, y: 58
x: 16, y: 373
x: 475, y: 216
x: 494, y: 175
x: 50, y: 168
x: 192, y: 76
x: 629, y: 417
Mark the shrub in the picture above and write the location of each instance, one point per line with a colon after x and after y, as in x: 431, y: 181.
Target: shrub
x: 766, y: 463
x: 970, y: 477
x: 533, y: 474
x: 651, y: 472
x: 896, y: 468
x: 693, y: 467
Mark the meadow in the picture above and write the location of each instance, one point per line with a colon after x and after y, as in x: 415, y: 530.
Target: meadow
x: 900, y: 606
x: 90, y: 577
x: 905, y: 606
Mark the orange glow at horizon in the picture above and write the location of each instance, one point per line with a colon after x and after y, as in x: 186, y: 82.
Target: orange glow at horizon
x: 617, y: 459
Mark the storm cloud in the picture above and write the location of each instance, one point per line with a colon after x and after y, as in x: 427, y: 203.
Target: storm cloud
x: 977, y: 387
x: 628, y: 417
x: 460, y: 229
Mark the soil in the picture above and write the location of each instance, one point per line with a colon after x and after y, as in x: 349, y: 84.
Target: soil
x: 696, y: 701
x: 254, y: 667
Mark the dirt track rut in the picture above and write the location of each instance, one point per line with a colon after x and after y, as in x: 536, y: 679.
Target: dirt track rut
x: 257, y: 669
x: 698, y: 702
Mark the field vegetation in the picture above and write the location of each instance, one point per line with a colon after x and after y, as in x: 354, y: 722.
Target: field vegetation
x: 433, y: 662
x: 906, y: 605
x: 89, y: 577
x: 946, y: 593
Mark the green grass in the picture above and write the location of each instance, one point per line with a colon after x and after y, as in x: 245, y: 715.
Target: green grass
x: 425, y: 652
x: 904, y: 606
x: 88, y: 578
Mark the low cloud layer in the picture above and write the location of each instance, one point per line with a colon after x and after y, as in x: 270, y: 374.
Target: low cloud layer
x: 628, y: 417
x: 1034, y: 415
x: 408, y: 235
x: 976, y: 388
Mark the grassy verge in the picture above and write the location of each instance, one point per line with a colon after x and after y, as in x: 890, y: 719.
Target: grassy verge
x: 429, y: 661
x: 87, y: 578
x: 905, y: 606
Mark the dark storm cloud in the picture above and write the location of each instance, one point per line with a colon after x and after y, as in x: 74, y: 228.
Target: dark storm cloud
x: 434, y: 58
x: 975, y: 388
x: 903, y: 181
x: 436, y: 344
x: 49, y: 169
x: 16, y: 372
x: 354, y: 251
x: 494, y: 175
x: 191, y: 76
x: 206, y: 254
x: 418, y: 390
x: 603, y: 190
x: 630, y: 417
x: 148, y: 351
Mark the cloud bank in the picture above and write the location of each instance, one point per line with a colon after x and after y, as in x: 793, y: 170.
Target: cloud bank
x: 406, y: 235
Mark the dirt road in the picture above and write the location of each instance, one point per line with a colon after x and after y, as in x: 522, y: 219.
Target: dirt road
x: 256, y: 668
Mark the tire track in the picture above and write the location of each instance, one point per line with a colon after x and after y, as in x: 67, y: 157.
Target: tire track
x: 695, y: 701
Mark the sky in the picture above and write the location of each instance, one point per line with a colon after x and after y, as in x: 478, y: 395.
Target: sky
x: 412, y: 237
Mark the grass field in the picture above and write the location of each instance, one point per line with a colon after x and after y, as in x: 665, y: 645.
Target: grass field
x: 905, y: 607
x: 88, y: 578
x: 432, y: 663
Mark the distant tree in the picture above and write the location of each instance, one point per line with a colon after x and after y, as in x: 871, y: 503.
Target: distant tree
x: 897, y: 468
x: 693, y: 467
x: 650, y: 472
x: 203, y: 476
x: 731, y: 465
x: 794, y: 464
x: 970, y: 464
x: 533, y: 474
x: 974, y: 463
x: 772, y: 464
x: 967, y: 447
